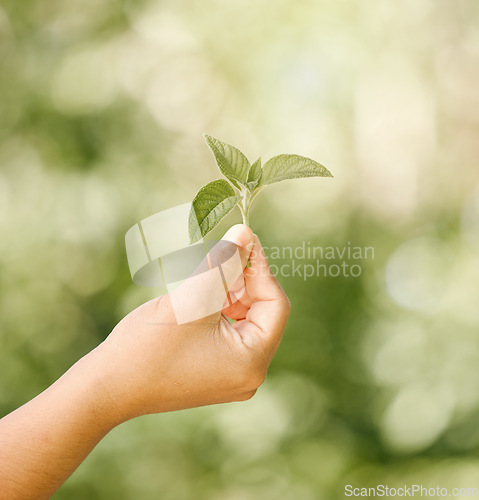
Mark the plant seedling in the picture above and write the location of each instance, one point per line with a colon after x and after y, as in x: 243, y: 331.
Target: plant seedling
x: 244, y: 182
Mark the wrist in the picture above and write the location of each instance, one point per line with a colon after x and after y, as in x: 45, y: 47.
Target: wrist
x: 122, y: 379
x: 94, y: 377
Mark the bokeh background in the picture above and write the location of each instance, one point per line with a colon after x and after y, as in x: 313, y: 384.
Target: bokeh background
x: 102, y: 108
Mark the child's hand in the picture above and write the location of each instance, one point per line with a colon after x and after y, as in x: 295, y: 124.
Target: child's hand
x: 153, y: 364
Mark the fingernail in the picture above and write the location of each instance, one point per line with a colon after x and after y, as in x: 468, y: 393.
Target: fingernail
x: 239, y: 234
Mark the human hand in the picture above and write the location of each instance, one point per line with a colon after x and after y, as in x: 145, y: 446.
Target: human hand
x: 153, y: 364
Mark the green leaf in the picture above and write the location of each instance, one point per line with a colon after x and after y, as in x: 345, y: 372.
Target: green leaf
x: 212, y: 202
x: 232, y: 163
x: 282, y: 167
x: 254, y: 175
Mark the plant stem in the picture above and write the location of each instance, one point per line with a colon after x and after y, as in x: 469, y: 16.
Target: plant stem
x: 246, y: 202
x: 244, y: 206
x: 244, y: 213
x: 246, y: 217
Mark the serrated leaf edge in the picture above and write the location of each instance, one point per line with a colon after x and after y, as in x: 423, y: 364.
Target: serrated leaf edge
x: 234, y: 179
x: 325, y: 173
x: 199, y: 232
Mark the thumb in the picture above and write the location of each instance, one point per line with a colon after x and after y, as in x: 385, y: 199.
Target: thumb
x: 238, y: 237
x: 205, y: 291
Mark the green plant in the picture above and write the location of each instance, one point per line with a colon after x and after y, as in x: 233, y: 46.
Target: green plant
x: 245, y: 181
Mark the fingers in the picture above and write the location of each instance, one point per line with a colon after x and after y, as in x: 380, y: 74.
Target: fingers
x: 238, y: 238
x: 262, y: 284
x: 237, y: 310
x: 241, y: 235
x: 270, y: 306
x: 204, y: 293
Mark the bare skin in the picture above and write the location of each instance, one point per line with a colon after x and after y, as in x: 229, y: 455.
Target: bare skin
x: 148, y: 364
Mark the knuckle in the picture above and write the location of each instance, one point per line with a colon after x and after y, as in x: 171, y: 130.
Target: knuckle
x: 246, y: 395
x: 253, y: 375
x: 158, y: 305
x: 258, y: 376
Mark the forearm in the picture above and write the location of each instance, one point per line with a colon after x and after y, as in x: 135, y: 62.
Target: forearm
x: 148, y: 364
x: 44, y: 441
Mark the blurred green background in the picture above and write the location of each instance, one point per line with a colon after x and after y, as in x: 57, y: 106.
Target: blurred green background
x: 102, y: 108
